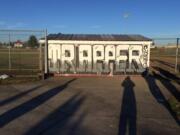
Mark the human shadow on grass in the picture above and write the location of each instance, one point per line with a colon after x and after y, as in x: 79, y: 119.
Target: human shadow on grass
x: 166, y: 81
x: 158, y: 95
x: 24, y: 108
x: 128, y: 109
x: 167, y: 74
x: 59, y: 122
x: 164, y: 63
x: 18, y: 96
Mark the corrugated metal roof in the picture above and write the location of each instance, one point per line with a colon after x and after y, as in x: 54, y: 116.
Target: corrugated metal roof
x: 98, y: 37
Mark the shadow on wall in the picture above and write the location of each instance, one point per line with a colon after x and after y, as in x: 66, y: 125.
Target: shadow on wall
x: 158, y: 95
x: 128, y: 109
x: 59, y: 122
x: 24, y: 108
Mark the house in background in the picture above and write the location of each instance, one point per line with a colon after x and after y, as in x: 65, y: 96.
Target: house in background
x: 97, y: 54
x: 18, y: 44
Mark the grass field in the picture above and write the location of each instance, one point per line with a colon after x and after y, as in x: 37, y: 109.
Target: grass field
x: 22, y: 61
x: 165, y: 58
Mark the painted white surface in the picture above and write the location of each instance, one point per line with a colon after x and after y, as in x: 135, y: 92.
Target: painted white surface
x: 69, y: 47
x: 136, y: 48
x: 148, y: 62
x: 89, y: 51
x: 96, y: 42
x: 56, y: 50
x: 98, y: 48
x: 118, y: 49
x: 18, y: 45
x: 109, y: 48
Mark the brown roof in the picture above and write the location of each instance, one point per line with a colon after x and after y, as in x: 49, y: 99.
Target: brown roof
x: 18, y: 42
x: 97, y: 37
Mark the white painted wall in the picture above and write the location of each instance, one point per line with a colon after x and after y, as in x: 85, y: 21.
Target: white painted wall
x: 86, y: 48
x: 97, y: 42
x: 109, y: 48
x: 56, y: 50
x: 134, y: 48
x: 98, y: 48
x: 69, y: 47
x: 121, y: 47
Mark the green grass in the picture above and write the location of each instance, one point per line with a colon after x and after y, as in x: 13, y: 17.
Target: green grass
x: 23, y: 61
x: 20, y: 59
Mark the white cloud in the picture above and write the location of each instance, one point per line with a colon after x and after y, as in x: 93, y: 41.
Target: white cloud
x: 126, y: 15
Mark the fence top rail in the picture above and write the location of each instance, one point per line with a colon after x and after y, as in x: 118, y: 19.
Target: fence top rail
x: 7, y: 30
x: 165, y: 38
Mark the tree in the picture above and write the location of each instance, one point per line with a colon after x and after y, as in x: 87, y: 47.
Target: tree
x: 32, y: 42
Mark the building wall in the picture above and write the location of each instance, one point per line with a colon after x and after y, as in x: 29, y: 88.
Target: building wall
x: 99, y: 48
x: 109, y: 48
x: 77, y: 62
x: 85, y: 61
x: 54, y: 56
x: 18, y: 45
x: 89, y: 51
x: 70, y: 48
x: 118, y: 49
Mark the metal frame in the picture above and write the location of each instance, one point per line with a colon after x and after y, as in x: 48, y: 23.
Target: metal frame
x: 42, y: 33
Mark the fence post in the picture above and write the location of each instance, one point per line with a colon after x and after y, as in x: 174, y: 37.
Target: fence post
x: 177, y: 51
x: 46, y: 53
x: 9, y: 52
x: 41, y: 61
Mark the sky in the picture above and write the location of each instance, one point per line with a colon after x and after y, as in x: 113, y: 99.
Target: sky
x: 146, y: 17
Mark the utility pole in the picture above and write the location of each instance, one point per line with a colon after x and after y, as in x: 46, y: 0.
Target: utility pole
x: 177, y: 52
x: 46, y: 52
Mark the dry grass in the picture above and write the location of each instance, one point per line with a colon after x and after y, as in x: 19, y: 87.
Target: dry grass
x: 18, y: 80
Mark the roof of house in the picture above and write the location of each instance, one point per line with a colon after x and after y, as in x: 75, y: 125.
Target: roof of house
x: 18, y: 42
x: 97, y: 37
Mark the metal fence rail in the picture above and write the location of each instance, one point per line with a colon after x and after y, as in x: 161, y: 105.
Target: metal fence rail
x: 165, y: 54
x: 21, y: 53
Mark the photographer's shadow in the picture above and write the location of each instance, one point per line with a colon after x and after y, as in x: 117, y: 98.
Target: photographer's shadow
x: 128, y: 109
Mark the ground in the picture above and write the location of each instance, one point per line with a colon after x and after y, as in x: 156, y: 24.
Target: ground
x: 88, y: 106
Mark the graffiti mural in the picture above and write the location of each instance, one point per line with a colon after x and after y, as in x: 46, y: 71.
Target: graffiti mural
x: 96, y: 59
x: 145, y: 55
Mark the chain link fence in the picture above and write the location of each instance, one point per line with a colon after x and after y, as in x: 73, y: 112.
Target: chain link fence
x: 20, y: 52
x: 165, y: 54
